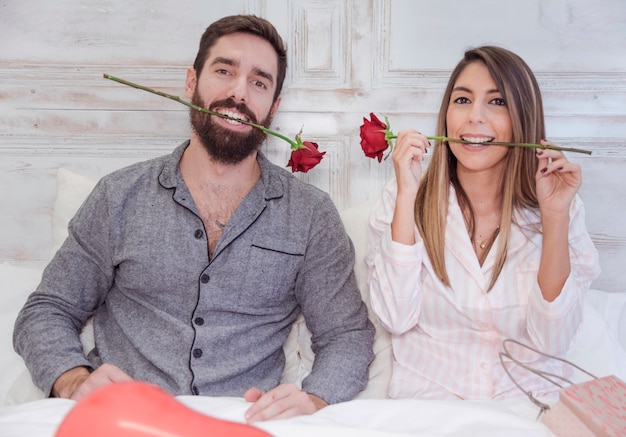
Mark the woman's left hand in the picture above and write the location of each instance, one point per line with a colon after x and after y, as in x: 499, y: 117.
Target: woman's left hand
x: 558, y: 180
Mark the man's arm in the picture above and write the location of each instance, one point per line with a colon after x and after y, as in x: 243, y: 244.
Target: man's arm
x: 47, y: 329
x: 326, y: 289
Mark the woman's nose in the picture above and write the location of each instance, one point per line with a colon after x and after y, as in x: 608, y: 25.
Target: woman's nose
x: 476, y: 113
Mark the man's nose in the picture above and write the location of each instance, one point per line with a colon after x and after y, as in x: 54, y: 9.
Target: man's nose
x: 239, y: 89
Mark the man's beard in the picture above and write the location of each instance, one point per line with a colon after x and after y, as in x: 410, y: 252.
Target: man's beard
x: 223, y: 145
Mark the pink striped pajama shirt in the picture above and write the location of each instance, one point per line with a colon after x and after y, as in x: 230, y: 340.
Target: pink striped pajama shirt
x: 446, y: 340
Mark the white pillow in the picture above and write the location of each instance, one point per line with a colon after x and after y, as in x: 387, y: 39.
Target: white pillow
x: 612, y: 307
x: 356, y: 220
x: 16, y: 386
x: 16, y: 283
x: 597, y: 348
x: 298, y: 346
x: 72, y: 190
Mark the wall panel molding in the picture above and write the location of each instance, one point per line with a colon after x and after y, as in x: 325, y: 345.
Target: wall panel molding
x: 320, y: 56
x: 347, y: 58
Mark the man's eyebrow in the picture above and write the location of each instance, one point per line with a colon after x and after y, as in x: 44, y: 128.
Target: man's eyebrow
x: 264, y: 74
x: 233, y: 63
x: 227, y: 61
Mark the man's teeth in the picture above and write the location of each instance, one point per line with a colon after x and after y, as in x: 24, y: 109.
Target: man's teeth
x: 232, y: 115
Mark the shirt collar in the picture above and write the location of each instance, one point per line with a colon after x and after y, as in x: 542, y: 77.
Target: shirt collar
x: 271, y: 175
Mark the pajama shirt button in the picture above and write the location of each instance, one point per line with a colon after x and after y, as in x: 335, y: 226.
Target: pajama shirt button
x: 204, y: 278
x: 195, y: 390
x: 198, y: 233
x: 197, y: 353
x: 199, y: 321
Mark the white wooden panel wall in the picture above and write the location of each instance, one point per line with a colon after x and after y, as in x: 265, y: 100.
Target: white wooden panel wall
x: 347, y: 58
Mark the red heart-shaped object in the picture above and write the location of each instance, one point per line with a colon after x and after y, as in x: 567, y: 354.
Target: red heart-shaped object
x: 139, y: 409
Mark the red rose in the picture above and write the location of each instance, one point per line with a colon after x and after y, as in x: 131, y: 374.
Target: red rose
x: 306, y: 158
x: 373, y: 141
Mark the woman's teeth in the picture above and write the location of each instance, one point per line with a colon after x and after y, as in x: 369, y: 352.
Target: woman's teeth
x: 478, y: 141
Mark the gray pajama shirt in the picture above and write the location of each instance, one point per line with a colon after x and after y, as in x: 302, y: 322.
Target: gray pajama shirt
x: 136, y: 259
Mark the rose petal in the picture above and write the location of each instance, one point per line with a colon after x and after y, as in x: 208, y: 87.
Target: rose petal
x: 373, y: 141
x: 305, y: 159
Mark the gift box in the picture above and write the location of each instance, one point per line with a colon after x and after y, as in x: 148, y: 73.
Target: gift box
x: 592, y: 408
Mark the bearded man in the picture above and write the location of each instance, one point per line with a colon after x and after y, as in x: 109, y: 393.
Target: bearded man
x: 195, y: 265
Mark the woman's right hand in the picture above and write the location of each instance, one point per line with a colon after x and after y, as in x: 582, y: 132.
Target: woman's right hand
x: 408, y: 154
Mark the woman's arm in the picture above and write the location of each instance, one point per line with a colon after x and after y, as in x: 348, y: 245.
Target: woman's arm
x: 569, y: 260
x: 558, y: 181
x: 394, y: 252
x: 552, y: 325
x: 394, y: 269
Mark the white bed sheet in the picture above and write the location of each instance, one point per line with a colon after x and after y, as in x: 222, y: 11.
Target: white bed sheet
x: 363, y: 418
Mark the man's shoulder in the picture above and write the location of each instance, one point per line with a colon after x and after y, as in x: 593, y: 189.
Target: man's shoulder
x: 146, y: 170
x: 296, y: 185
x: 137, y: 168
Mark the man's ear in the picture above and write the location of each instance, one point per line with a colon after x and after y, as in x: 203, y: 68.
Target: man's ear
x: 275, y: 106
x: 191, y: 82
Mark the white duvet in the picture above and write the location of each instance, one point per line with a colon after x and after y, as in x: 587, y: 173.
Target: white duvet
x: 363, y: 418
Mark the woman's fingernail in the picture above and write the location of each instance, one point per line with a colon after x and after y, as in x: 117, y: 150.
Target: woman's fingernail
x: 545, y: 169
x: 540, y: 152
x: 560, y: 168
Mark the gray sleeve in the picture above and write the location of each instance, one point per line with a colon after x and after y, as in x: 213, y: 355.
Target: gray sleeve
x: 47, y: 328
x: 342, y: 335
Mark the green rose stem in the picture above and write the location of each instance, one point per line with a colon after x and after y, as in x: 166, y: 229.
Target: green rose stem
x: 295, y: 145
x: 499, y: 143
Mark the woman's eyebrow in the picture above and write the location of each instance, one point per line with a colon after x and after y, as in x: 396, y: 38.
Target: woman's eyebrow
x: 467, y: 90
x: 461, y: 88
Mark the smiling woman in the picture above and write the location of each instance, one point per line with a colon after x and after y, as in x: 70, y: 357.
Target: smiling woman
x: 490, y: 243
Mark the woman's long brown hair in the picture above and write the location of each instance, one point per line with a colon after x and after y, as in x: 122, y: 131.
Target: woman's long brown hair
x: 522, y: 95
